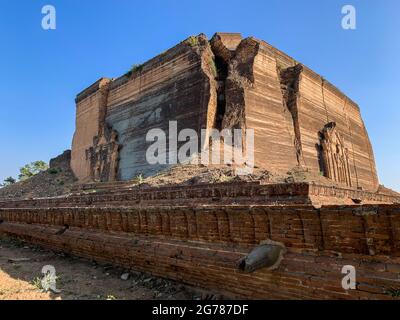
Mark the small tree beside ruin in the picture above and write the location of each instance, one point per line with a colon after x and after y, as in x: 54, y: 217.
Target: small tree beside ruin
x: 8, y: 181
x: 31, y: 169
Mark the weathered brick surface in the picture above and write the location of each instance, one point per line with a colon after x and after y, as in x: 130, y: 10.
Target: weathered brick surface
x: 227, y: 82
x: 122, y: 195
x: 200, y: 245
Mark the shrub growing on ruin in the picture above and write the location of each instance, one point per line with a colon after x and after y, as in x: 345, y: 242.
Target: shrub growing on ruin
x: 134, y: 68
x: 193, y: 41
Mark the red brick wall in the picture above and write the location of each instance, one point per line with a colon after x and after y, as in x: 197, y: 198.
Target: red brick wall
x: 249, y: 193
x: 201, y: 246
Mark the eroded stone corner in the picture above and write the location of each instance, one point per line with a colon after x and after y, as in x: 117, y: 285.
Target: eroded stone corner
x: 103, y: 156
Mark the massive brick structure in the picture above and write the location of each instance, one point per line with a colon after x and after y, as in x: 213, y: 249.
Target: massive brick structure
x: 223, y: 236
x: 299, y: 118
x: 198, y: 234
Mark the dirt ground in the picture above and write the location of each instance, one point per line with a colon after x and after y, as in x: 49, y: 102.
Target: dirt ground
x: 79, y: 279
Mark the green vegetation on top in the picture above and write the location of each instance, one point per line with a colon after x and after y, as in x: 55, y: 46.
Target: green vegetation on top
x: 26, y: 172
x: 134, y: 68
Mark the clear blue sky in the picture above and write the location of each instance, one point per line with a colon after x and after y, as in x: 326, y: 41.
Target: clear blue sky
x: 42, y: 71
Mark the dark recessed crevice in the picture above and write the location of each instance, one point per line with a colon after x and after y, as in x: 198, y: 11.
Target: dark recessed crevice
x: 289, y: 79
x: 234, y: 74
x: 222, y: 74
x: 223, y: 57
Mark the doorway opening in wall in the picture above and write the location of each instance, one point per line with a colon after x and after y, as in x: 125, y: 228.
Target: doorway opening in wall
x: 222, y: 74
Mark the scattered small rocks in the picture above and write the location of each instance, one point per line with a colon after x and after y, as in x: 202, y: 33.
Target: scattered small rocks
x: 125, y: 276
x: 74, y: 283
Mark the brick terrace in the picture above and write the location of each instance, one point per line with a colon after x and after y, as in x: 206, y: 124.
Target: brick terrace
x: 199, y: 239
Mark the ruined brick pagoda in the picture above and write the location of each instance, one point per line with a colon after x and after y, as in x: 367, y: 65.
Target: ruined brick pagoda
x: 209, y: 235
x: 298, y: 117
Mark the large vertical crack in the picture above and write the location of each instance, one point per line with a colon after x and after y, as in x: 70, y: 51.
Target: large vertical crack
x: 223, y: 57
x: 234, y: 75
x: 200, y: 45
x: 222, y: 74
x: 290, y: 79
x: 234, y: 59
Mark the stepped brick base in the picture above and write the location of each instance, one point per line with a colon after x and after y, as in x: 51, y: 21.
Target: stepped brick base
x: 200, y: 245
